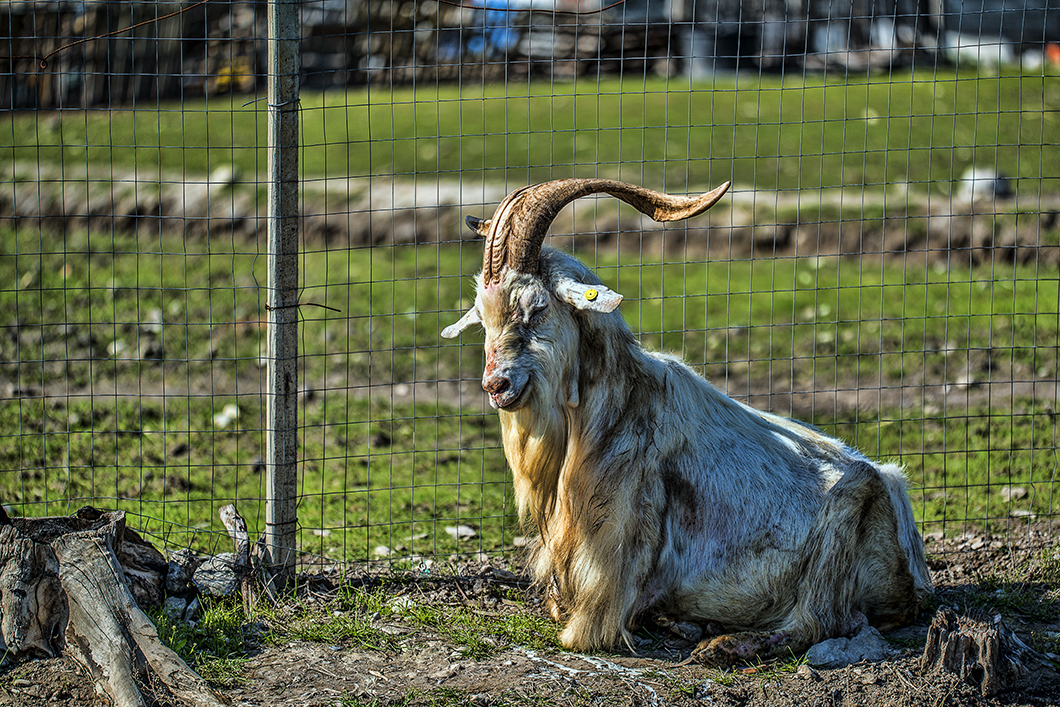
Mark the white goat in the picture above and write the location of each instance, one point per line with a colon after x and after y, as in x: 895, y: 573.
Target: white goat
x: 655, y: 495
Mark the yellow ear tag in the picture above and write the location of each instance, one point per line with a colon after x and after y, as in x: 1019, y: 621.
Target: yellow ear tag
x: 591, y: 294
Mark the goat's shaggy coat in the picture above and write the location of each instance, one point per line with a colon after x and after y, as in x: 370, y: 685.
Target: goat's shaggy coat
x: 656, y: 495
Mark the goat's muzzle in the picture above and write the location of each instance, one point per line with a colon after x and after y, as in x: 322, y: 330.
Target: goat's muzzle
x: 506, y: 389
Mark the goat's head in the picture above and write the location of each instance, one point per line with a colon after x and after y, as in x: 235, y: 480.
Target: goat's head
x: 518, y: 303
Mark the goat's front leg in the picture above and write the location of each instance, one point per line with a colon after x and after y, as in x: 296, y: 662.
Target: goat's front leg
x: 599, y: 584
x: 599, y: 610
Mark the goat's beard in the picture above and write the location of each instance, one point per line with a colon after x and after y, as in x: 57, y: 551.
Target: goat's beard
x: 534, y: 435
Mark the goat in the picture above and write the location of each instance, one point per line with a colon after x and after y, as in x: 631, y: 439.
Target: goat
x: 655, y: 495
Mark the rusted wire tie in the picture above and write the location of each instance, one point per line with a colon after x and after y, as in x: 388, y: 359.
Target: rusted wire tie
x: 270, y: 308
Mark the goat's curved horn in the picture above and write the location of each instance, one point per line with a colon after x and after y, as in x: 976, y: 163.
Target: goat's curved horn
x: 520, y: 223
x: 478, y: 225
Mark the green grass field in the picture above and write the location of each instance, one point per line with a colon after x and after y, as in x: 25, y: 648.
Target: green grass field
x: 121, y: 429
x: 920, y: 128
x: 121, y: 351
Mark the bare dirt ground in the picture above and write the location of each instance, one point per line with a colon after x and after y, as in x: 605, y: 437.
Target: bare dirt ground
x: 1001, y: 574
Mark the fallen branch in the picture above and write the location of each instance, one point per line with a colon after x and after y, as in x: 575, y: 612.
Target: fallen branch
x: 244, y: 569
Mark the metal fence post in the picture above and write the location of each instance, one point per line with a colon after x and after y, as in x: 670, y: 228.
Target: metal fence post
x: 282, y: 301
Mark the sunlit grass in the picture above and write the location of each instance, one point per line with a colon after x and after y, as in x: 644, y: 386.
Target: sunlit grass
x: 357, y: 616
x: 922, y: 128
x: 216, y: 645
x: 139, y: 353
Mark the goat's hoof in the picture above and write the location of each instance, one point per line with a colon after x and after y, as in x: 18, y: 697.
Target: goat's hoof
x: 732, y: 649
x: 726, y: 651
x: 683, y: 630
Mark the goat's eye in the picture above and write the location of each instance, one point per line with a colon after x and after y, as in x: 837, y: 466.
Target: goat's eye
x: 537, y: 312
x: 531, y: 314
x: 531, y: 307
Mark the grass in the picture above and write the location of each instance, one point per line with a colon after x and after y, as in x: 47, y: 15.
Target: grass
x: 139, y: 343
x: 217, y: 645
x: 963, y: 464
x: 141, y: 348
x: 480, y: 634
x: 920, y: 127
x: 348, y: 618
x: 352, y: 616
x: 1029, y: 590
x: 356, y: 616
x: 373, y: 474
x: 837, y: 321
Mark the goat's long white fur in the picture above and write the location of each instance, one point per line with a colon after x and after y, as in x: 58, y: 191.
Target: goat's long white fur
x: 655, y: 494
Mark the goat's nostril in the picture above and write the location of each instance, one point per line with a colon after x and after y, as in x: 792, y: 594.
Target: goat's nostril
x: 496, y: 386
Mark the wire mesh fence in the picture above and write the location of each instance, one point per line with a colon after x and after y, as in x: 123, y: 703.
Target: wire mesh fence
x: 886, y: 265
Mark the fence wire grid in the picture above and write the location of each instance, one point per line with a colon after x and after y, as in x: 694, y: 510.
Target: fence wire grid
x: 885, y: 266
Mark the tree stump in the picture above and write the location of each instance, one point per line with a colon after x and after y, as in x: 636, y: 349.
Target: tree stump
x: 980, y: 649
x: 67, y: 585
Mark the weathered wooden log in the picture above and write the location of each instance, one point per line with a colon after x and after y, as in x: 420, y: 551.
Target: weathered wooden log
x: 981, y: 650
x: 63, y: 589
x: 144, y: 567
x: 31, y: 606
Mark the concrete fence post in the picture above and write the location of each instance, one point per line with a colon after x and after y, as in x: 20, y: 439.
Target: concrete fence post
x: 282, y: 302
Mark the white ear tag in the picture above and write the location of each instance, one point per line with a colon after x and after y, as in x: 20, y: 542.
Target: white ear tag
x: 595, y: 297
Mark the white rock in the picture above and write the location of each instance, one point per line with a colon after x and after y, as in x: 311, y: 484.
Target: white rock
x: 152, y: 323
x: 224, y: 176
x: 983, y: 183
x: 461, y: 532
x: 229, y: 414
x: 216, y: 576
x: 402, y: 603
x: 174, y: 607
x: 867, y: 644
x: 1013, y: 493
x: 191, y: 616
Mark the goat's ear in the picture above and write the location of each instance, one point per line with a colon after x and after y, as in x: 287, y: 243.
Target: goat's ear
x: 594, y: 297
x: 479, y: 226
x: 470, y: 318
